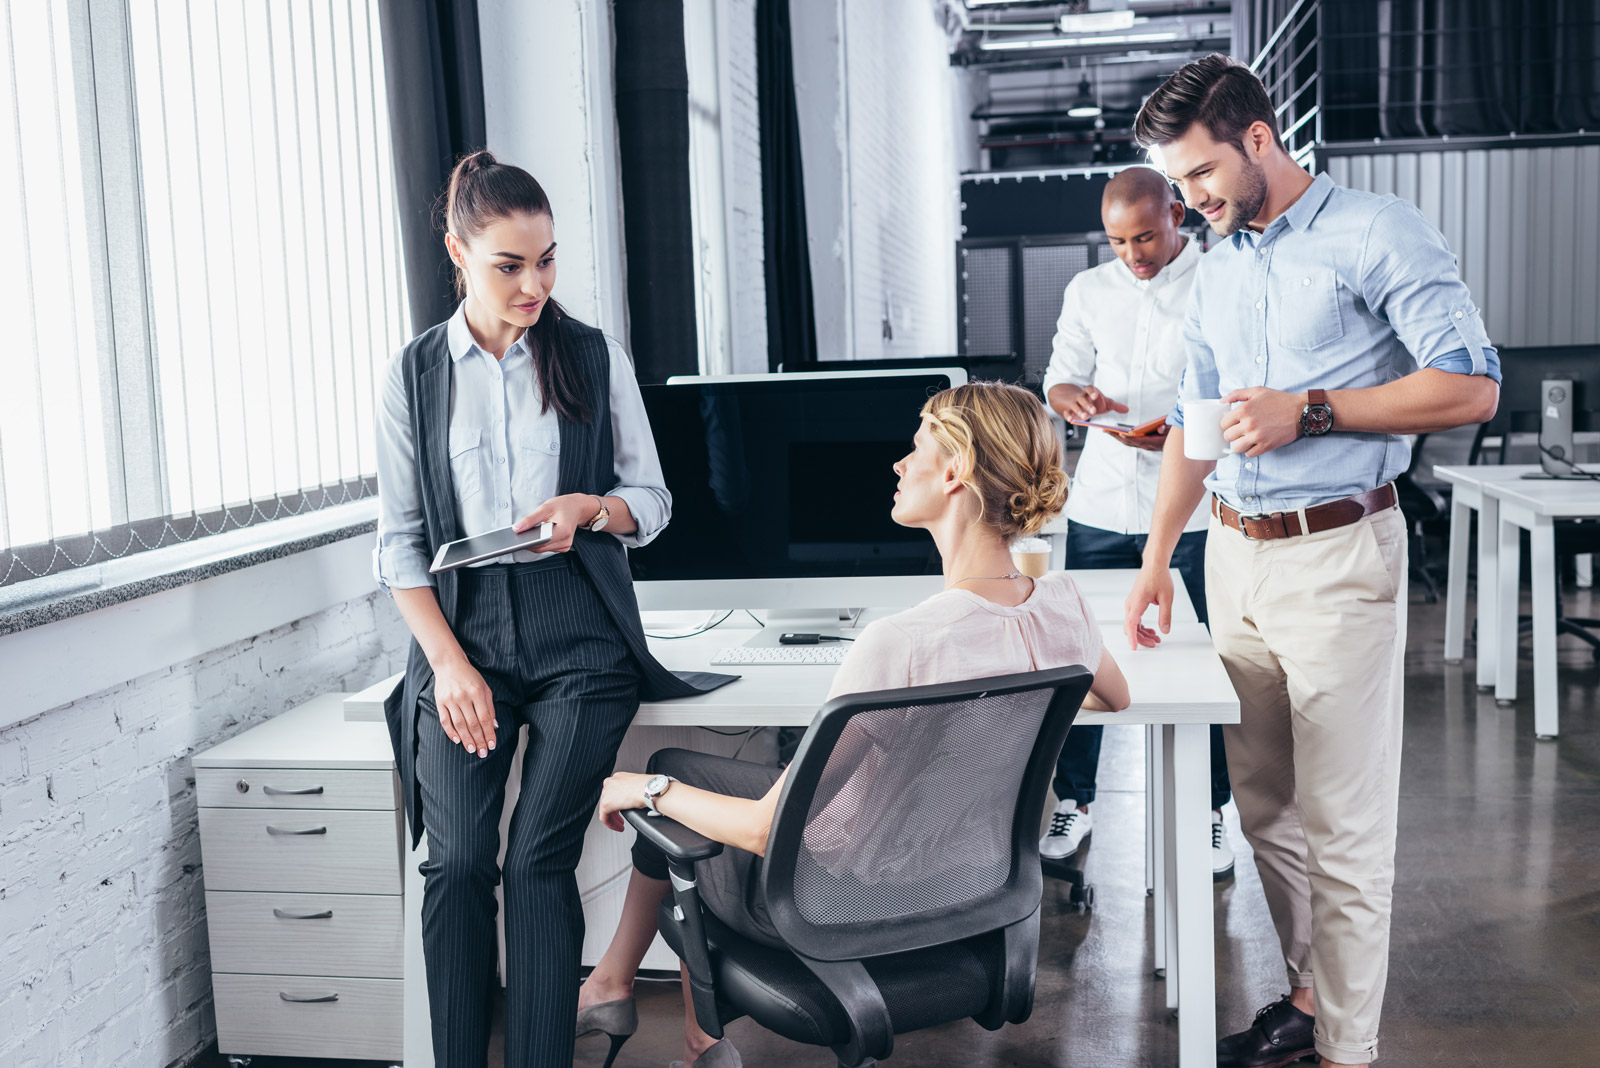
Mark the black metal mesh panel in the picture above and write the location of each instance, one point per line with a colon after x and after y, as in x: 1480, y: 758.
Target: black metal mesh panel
x: 1046, y: 270
x: 1104, y: 254
x: 985, y: 285
x: 915, y: 807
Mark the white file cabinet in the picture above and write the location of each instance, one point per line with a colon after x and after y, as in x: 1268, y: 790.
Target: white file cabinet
x: 300, y: 833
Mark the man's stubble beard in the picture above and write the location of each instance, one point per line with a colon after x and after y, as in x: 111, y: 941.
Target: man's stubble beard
x: 1247, y: 202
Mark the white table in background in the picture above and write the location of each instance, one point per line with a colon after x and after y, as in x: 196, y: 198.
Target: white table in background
x: 1178, y: 691
x: 1533, y: 505
x: 1466, y: 497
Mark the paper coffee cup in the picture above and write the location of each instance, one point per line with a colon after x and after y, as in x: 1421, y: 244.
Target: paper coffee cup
x: 1202, y: 429
x: 1031, y: 556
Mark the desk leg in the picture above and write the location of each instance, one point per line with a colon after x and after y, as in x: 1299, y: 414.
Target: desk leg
x: 1488, y: 589
x: 1169, y: 875
x: 1510, y: 583
x: 1155, y: 796
x: 417, y: 1030
x: 1543, y: 551
x: 1190, y: 760
x: 1152, y: 768
x: 1455, y: 597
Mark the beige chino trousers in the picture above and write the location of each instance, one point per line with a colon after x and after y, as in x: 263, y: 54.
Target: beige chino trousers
x: 1312, y: 631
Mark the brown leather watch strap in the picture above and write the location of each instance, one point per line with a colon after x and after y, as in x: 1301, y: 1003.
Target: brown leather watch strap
x: 1316, y: 396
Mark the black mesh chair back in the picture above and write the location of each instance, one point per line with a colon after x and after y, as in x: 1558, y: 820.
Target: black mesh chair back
x: 910, y: 818
x: 901, y: 872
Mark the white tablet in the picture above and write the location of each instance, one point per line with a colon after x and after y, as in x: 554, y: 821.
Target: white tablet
x: 495, y: 543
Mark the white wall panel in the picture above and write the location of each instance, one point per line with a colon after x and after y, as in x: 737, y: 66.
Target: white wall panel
x: 1523, y: 223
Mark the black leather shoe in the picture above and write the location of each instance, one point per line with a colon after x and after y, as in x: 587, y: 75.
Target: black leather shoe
x: 1280, y: 1035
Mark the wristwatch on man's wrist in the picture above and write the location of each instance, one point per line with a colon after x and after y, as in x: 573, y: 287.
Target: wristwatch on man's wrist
x: 1316, y: 418
x: 601, y: 518
x: 654, y: 787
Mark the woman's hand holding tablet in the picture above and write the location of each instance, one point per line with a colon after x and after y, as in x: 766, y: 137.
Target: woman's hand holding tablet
x: 495, y: 543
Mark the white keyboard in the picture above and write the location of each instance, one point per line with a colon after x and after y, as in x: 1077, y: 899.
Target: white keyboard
x: 826, y: 654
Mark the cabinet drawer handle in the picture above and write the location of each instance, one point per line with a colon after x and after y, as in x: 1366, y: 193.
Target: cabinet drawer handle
x: 307, y: 999
x: 273, y: 791
x: 308, y: 830
x: 282, y: 915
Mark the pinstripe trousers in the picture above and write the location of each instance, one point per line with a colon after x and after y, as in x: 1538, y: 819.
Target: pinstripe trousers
x: 555, y: 661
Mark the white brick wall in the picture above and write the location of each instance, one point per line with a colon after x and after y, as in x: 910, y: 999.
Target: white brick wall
x: 102, y: 907
x: 904, y: 180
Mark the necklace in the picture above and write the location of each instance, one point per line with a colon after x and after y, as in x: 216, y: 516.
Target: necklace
x: 985, y: 578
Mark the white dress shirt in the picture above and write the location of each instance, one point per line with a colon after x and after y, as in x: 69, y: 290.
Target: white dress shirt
x: 505, y: 454
x: 1124, y: 336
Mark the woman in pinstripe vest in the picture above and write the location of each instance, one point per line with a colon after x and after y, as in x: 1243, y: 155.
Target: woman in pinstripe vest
x: 512, y: 412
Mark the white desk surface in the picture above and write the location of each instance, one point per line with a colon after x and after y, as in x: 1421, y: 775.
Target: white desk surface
x: 312, y: 735
x: 1182, y: 681
x: 1183, y: 672
x: 1555, y: 497
x: 1477, y: 475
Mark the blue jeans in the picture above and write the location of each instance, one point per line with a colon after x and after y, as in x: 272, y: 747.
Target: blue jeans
x: 1089, y: 549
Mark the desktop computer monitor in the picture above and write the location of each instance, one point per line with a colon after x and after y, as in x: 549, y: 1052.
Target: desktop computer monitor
x: 1008, y: 368
x: 781, y: 491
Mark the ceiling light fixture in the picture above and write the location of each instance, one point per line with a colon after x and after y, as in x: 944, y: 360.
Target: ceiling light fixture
x: 1075, y: 42
x: 1096, y: 21
x: 1086, y: 106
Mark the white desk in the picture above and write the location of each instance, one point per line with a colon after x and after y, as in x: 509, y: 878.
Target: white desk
x: 1178, y: 690
x: 1466, y: 497
x: 1532, y: 505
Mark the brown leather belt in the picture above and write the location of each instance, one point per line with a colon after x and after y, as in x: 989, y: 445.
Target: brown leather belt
x: 1341, y: 513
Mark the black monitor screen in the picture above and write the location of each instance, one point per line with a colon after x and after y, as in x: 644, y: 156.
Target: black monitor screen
x: 785, y: 478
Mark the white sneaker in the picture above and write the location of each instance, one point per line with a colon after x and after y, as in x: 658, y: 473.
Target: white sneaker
x: 1068, y: 829
x: 1221, y: 850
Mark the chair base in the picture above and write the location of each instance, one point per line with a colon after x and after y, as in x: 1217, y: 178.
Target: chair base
x: 1081, y: 896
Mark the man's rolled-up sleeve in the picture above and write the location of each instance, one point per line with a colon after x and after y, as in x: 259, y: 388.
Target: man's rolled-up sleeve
x: 1410, y: 280
x: 1072, y: 355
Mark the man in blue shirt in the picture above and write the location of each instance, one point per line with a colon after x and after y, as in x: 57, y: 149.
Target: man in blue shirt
x: 1333, y: 322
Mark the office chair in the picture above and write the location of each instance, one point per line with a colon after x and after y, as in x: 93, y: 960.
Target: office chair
x: 906, y: 898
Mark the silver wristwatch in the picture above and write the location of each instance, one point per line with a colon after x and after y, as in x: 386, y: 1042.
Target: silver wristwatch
x: 654, y: 787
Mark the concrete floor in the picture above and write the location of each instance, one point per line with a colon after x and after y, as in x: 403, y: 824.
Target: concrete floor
x: 1496, y: 944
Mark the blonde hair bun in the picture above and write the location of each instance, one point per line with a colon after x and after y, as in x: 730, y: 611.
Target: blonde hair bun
x: 1006, y: 450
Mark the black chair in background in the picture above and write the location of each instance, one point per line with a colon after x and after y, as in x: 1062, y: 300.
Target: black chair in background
x: 902, y: 869
x: 1425, y: 500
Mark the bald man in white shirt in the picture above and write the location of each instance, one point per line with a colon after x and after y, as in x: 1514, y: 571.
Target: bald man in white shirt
x: 1119, y: 349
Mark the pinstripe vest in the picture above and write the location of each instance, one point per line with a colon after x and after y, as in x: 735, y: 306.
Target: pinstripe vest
x: 587, y: 465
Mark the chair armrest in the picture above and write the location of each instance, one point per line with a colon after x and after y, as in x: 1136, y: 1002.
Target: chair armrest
x: 671, y: 837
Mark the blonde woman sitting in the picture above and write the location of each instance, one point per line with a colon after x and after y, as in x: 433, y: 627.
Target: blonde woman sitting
x: 984, y: 469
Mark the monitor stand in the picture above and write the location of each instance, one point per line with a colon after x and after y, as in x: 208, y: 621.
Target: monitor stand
x: 779, y: 621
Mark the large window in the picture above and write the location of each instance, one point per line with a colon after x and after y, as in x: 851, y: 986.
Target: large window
x: 207, y: 279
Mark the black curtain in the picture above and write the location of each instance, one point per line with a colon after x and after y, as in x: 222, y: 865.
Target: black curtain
x: 653, y: 146
x: 791, y: 328
x: 434, y: 71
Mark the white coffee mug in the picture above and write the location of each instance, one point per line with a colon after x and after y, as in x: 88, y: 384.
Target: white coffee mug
x: 1202, y: 430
